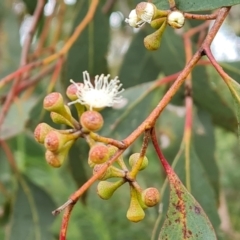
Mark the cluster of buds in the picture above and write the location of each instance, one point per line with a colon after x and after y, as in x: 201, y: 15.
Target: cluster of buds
x: 139, y: 199
x: 146, y: 12
x: 89, y: 99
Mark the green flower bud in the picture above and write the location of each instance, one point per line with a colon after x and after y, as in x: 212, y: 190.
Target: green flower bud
x: 99, y: 153
x: 91, y: 121
x: 55, y: 141
x: 59, y: 119
x: 110, y: 172
x: 135, y: 212
x: 56, y: 159
x: 150, y: 196
x: 152, y: 41
x: 133, y: 159
x: 106, y: 189
x: 41, y: 132
x: 72, y: 95
x: 53, y: 102
x: 157, y: 23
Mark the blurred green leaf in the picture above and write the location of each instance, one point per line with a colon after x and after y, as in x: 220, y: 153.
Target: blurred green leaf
x: 10, y: 41
x: 234, y: 88
x: 89, y: 52
x: 204, y: 143
x: 138, y: 65
x: 78, y: 157
x: 196, y: 5
x: 16, y: 118
x: 31, y: 214
x: 214, y: 99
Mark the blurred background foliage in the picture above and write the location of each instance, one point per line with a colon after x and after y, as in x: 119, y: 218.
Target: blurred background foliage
x: 30, y: 189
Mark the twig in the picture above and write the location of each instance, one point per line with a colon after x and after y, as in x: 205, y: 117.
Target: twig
x: 151, y: 119
x: 201, y: 17
x: 172, y: 4
x: 27, y: 43
x: 137, y: 166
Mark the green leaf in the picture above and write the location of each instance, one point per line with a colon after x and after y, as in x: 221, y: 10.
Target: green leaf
x: 78, y: 157
x: 10, y: 43
x: 140, y: 100
x: 185, y: 217
x: 16, y: 118
x: 31, y: 214
x: 196, y: 5
x: 204, y: 143
x: 201, y: 188
x: 89, y: 52
x: 138, y: 65
x: 234, y: 88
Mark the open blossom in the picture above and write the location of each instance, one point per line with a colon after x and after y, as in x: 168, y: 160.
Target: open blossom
x: 142, y: 14
x: 103, y: 93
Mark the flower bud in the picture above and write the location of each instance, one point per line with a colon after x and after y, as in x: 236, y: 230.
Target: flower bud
x: 109, y: 173
x: 41, y: 132
x: 72, y: 92
x: 157, y: 23
x: 152, y: 41
x: 91, y: 121
x: 55, y: 141
x: 53, y: 102
x: 150, y: 196
x: 133, y: 159
x: 145, y: 11
x: 176, y: 19
x: 135, y: 212
x: 106, y: 189
x: 99, y: 153
x: 59, y: 119
x: 56, y: 159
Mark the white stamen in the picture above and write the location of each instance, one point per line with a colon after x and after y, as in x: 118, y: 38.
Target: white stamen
x: 104, y: 93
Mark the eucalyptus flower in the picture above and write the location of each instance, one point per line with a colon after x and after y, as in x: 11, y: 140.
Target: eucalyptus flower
x: 103, y: 93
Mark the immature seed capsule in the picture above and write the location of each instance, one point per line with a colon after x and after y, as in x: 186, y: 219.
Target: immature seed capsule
x: 99, y: 153
x: 91, y: 120
x: 133, y: 159
x: 135, y: 212
x: 106, y: 189
x: 150, y: 196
